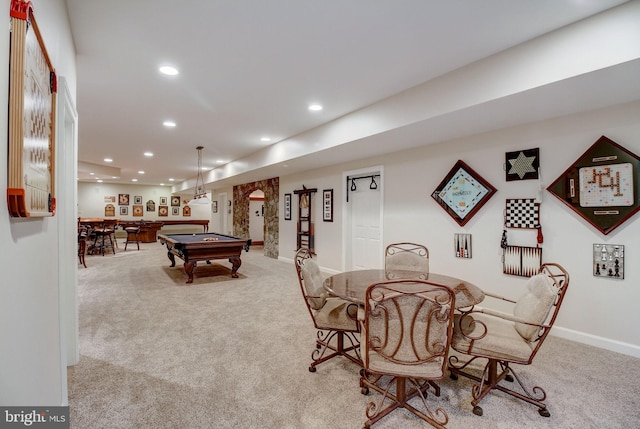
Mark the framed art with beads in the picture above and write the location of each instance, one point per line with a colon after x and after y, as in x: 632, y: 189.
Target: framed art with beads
x: 32, y: 100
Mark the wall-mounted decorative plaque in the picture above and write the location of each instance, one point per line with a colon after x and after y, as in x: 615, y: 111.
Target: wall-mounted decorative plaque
x: 522, y: 164
x: 601, y: 186
x: 608, y: 261
x: 462, y: 193
x: 32, y: 100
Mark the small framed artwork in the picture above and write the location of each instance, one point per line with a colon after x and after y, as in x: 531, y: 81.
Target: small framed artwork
x: 138, y: 210
x: 109, y: 210
x: 163, y: 210
x: 287, y: 206
x: 601, y: 186
x: 327, y: 205
x: 214, y: 206
x: 186, y: 211
x: 163, y: 201
x: 137, y: 199
x: 462, y: 192
x: 462, y: 245
x: 124, y: 210
x: 175, y: 201
x: 608, y: 261
x: 151, y: 206
x: 522, y: 164
x: 123, y: 199
x: 110, y: 199
x: 175, y: 211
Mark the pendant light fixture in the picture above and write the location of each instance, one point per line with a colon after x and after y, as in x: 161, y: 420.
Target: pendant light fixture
x: 199, y: 193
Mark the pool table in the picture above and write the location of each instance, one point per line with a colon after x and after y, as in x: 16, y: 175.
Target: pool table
x: 192, y: 248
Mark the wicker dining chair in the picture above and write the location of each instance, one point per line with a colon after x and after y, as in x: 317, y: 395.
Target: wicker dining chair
x: 334, y: 318
x: 406, y: 329
x: 507, y: 339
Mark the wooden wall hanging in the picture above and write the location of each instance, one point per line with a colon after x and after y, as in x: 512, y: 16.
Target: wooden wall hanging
x: 32, y: 98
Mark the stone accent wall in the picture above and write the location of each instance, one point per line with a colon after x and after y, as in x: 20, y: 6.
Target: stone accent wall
x: 241, y: 193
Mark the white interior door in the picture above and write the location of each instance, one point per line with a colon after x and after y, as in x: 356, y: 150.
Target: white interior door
x: 363, y: 222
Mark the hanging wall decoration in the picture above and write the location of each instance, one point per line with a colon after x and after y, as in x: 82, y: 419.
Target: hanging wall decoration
x: 31, y: 127
x: 601, y: 186
x: 522, y: 164
x: 462, y: 193
x: 608, y: 261
x: 462, y: 245
x: 523, y: 213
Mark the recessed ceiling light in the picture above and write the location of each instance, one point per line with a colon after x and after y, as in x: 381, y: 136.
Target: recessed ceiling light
x: 99, y: 180
x: 315, y: 107
x: 162, y: 184
x: 108, y: 160
x: 148, y: 154
x: 169, y: 124
x: 220, y: 161
x: 114, y: 177
x: 134, y: 180
x: 265, y: 139
x: 168, y: 70
x: 91, y: 174
x: 141, y: 172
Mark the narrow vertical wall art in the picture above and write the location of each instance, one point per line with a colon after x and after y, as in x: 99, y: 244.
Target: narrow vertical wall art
x: 462, y: 245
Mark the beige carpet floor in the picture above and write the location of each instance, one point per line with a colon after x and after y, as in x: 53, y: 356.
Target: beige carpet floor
x: 234, y: 353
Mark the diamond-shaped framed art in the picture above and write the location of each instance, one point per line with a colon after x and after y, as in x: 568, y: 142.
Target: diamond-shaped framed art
x: 462, y: 193
x: 601, y: 186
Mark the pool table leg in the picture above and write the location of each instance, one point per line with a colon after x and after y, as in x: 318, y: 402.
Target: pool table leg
x: 236, y: 264
x: 189, y: 268
x: 172, y: 259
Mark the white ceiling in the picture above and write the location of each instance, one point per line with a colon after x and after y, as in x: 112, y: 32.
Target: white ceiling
x: 249, y: 68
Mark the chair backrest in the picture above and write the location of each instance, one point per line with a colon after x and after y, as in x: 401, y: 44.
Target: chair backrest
x: 406, y: 257
x: 540, y: 303
x: 407, y: 329
x: 310, y: 280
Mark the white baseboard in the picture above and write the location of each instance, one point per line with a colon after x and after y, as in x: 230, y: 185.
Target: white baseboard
x: 596, y: 341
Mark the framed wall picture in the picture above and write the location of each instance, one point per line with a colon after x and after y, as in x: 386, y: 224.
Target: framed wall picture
x: 151, y: 206
x: 522, y: 164
x: 31, y: 123
x: 123, y: 199
x: 214, y: 206
x: 186, y: 211
x: 163, y: 201
x: 163, y: 210
x: 175, y: 211
x: 287, y: 206
x: 175, y: 201
x: 138, y: 210
x: 462, y: 192
x: 109, y: 210
x: 124, y: 210
x: 137, y: 199
x: 601, y: 186
x: 327, y: 205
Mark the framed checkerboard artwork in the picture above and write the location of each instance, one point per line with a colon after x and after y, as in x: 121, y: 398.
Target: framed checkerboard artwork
x: 31, y: 130
x: 462, y: 192
x: 522, y: 213
x: 522, y: 164
x: 601, y: 186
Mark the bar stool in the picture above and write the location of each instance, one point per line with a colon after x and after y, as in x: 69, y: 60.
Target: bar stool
x: 102, y: 233
x: 133, y: 235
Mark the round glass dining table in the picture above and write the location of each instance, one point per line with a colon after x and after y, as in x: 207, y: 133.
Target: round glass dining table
x: 352, y: 285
